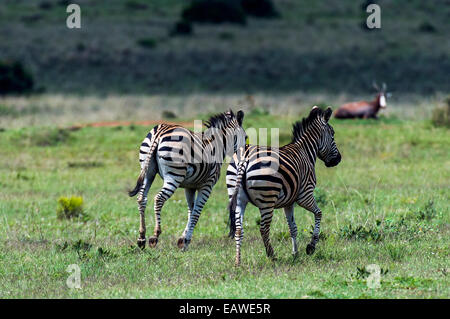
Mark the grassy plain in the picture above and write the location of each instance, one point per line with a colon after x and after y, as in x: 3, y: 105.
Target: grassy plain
x: 385, y: 204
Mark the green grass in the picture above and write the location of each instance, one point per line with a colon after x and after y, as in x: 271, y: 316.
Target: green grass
x: 385, y: 204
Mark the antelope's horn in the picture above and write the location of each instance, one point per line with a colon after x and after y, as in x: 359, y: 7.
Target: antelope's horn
x: 375, y: 86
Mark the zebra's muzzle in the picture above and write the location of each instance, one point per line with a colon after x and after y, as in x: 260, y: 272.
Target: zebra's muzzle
x: 334, y: 161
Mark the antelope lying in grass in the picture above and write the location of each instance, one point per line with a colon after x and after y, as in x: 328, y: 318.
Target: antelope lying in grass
x: 363, y: 109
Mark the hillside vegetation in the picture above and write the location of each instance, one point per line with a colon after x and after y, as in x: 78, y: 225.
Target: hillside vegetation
x: 128, y: 47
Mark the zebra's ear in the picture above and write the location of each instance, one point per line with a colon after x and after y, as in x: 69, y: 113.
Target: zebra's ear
x: 240, y: 117
x: 327, y: 113
x: 314, y: 112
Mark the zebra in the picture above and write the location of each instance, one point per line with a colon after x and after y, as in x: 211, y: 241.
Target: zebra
x: 191, y: 160
x: 272, y: 178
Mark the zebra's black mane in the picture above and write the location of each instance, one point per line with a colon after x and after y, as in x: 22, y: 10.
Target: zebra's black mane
x: 299, y: 128
x: 220, y: 120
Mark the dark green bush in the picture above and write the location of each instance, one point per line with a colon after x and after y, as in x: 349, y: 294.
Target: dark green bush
x: 135, y: 5
x: 215, y: 11
x: 260, y: 8
x: 45, y: 5
x: 181, y: 27
x: 428, y: 212
x: 148, y: 43
x: 226, y: 36
x: 7, y: 111
x: 14, y: 78
x: 427, y: 27
x: 168, y: 115
x: 361, y: 233
x: 49, y: 137
x: 441, y: 115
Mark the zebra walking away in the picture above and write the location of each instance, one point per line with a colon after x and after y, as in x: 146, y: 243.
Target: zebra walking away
x: 188, y: 160
x: 273, y: 178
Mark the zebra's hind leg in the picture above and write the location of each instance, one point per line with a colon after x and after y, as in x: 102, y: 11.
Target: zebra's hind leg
x: 312, y: 207
x: 142, y: 203
x: 242, y: 201
x: 266, y: 219
x: 169, y: 187
x: 289, y: 212
x: 200, y: 201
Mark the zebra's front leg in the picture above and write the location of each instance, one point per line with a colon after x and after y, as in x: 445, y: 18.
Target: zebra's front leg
x: 190, y: 198
x: 312, y: 207
x: 164, y: 194
x: 266, y: 219
x: 200, y: 201
x: 289, y: 212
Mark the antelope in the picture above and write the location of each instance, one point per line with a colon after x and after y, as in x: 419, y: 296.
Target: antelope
x: 363, y: 109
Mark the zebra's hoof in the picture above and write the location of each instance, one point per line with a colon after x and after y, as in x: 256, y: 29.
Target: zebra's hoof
x: 152, y: 241
x: 181, y: 242
x: 310, y: 249
x: 141, y: 243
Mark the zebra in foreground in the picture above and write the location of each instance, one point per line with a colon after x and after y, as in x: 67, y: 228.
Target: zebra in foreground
x: 188, y: 160
x: 273, y: 178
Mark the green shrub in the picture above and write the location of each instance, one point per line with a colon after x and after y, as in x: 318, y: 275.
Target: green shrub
x: 226, y: 36
x: 428, y: 212
x: 135, y: 5
x: 260, y: 8
x: 49, y: 137
x: 441, y: 115
x: 148, y: 43
x: 361, y: 233
x: 70, y: 207
x: 182, y: 27
x: 14, y: 78
x: 427, y: 27
x: 63, y: 3
x: 45, y: 5
x: 168, y: 115
x: 215, y: 11
x: 8, y: 111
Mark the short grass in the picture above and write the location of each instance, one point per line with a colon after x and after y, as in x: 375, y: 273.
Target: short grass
x: 385, y: 204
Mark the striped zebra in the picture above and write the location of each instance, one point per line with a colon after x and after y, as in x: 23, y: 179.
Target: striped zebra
x: 273, y: 178
x: 185, y: 159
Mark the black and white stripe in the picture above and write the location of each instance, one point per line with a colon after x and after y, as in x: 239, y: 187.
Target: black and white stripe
x: 185, y: 159
x: 273, y: 178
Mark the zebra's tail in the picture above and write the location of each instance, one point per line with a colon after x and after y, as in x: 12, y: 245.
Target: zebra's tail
x: 144, y: 169
x: 233, y: 201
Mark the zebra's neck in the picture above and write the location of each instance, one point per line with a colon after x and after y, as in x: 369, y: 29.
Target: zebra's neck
x: 309, y: 143
x: 212, y: 141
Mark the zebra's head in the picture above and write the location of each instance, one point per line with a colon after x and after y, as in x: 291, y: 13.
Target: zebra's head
x: 327, y: 151
x: 236, y: 135
x: 233, y: 135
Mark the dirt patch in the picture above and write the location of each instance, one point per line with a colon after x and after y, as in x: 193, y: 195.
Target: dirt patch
x: 127, y: 123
